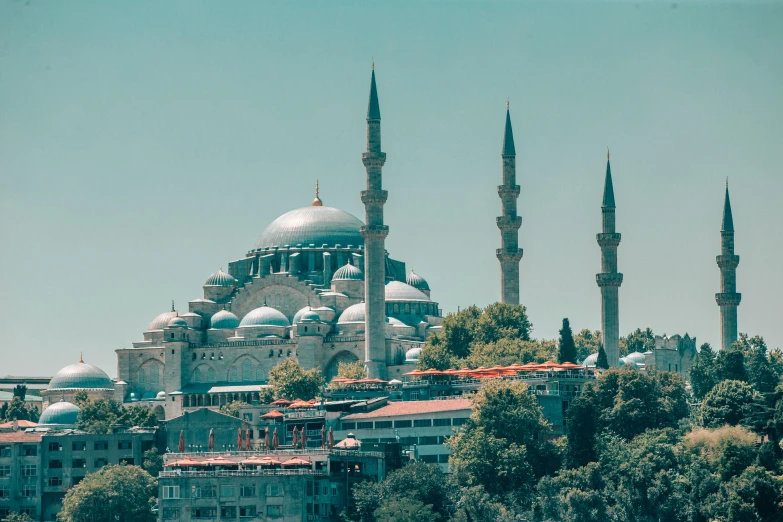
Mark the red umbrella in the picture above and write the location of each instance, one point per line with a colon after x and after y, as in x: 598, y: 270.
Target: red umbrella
x: 181, y: 446
x: 239, y: 439
x: 220, y: 461
x: 323, y: 437
x: 281, y: 402
x: 296, y: 436
x: 304, y: 439
x: 275, y: 440
x: 331, y: 438
x: 274, y: 414
x: 296, y: 461
x: 187, y: 462
x: 266, y: 438
x: 211, y: 443
x: 247, y: 439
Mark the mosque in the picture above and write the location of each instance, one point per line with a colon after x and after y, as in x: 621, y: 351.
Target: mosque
x: 319, y: 288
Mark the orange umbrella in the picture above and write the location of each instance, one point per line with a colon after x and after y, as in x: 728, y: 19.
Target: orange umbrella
x: 247, y: 440
x: 432, y: 371
x: 211, y: 443
x: 187, y: 462
x: 414, y: 373
x: 331, y: 438
x: 281, y: 402
x: 323, y: 436
x: 239, y: 439
x: 220, y: 461
x: 267, y: 461
x: 266, y: 438
x: 571, y: 366
x: 274, y: 414
x: 549, y: 364
x: 275, y: 440
x: 296, y: 436
x: 181, y: 446
x: 296, y: 461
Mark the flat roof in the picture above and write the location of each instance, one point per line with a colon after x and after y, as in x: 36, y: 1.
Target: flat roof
x: 394, y: 409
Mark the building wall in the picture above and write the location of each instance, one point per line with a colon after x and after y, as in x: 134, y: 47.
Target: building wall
x: 20, y: 474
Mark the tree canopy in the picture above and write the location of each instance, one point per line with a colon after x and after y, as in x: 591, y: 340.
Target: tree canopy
x: 17, y: 409
x: 98, y: 416
x: 233, y: 408
x: 290, y: 381
x: 566, y: 348
x: 125, y: 491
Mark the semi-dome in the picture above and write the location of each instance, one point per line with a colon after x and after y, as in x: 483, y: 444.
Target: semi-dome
x: 399, y: 291
x: 224, y: 320
x: 418, y: 282
x: 348, y: 273
x: 59, y: 414
x: 313, y: 225
x: 353, y: 314
x: 161, y: 321
x: 177, y: 322
x: 264, y: 316
x: 412, y: 355
x: 220, y: 279
x: 81, y: 376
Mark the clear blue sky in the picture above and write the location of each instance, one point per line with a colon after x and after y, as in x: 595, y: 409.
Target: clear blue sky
x: 143, y: 145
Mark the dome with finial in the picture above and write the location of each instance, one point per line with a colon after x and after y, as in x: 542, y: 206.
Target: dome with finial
x: 177, y: 322
x: 221, y: 279
x: 80, y: 376
x: 161, y: 321
x: 317, y: 201
x: 224, y: 320
x: 264, y: 316
x: 348, y: 272
x: 59, y: 414
x: 417, y: 282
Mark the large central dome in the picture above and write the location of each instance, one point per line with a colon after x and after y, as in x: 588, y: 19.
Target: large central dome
x: 314, y: 225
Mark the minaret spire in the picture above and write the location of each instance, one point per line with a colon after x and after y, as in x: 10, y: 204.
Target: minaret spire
x: 728, y: 299
x: 374, y: 234
x: 609, y: 280
x: 317, y: 201
x: 509, y: 254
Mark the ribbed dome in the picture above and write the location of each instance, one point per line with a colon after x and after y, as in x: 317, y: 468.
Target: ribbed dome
x: 636, y: 357
x: 398, y: 291
x: 353, y: 314
x: 590, y: 360
x: 81, y: 376
x: 220, y: 279
x: 417, y: 282
x: 60, y: 413
x: 310, y: 316
x: 224, y: 320
x: 312, y: 225
x: 177, y: 322
x: 348, y: 273
x: 264, y: 316
x: 160, y: 322
x: 412, y: 355
x: 298, y: 315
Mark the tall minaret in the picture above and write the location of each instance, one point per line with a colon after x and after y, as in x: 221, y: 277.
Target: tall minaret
x: 609, y: 280
x: 728, y: 299
x: 374, y: 234
x: 509, y: 254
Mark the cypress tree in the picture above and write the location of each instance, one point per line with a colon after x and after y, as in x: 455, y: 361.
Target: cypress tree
x: 602, y: 362
x: 566, y: 350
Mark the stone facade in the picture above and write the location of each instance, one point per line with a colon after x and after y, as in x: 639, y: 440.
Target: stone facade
x: 728, y: 299
x: 609, y: 280
x: 673, y: 354
x: 509, y: 254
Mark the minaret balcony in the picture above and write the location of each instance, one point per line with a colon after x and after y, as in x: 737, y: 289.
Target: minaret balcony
x: 608, y: 239
x: 613, y: 279
x: 505, y: 255
x: 374, y: 231
x: 727, y: 262
x: 728, y: 298
x: 376, y: 197
x: 508, y: 192
x: 509, y: 222
x: 373, y: 159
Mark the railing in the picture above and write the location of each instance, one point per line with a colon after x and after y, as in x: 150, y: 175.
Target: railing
x: 305, y: 414
x: 257, y: 342
x: 343, y: 338
x: 240, y: 473
x: 283, y: 452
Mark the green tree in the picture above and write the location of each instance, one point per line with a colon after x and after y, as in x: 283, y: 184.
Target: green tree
x: 727, y: 404
x: 19, y: 517
x: 586, y: 343
x: 20, y: 390
x: 81, y: 399
x: 503, y: 321
x: 436, y: 354
x: 476, y: 505
x: 703, y: 375
x: 760, y: 370
x: 100, y: 415
x: 752, y: 496
x: 354, y: 370
x: 508, y: 351
x: 153, y: 462
x: 290, y: 381
x: 127, y: 492
x: 233, y: 408
x: 730, y: 365
x: 566, y: 351
x: 17, y: 409
x: 602, y: 361
x: 640, y: 340
x: 404, y: 510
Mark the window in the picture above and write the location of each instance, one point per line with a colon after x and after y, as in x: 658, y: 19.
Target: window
x: 29, y: 490
x: 101, y: 445
x: 55, y: 481
x: 154, y: 374
x: 29, y: 451
x: 170, y: 492
x: 334, y: 490
x: 125, y: 445
x: 228, y: 512
x: 379, y: 425
x: 414, y: 395
x: 204, y: 491
x: 29, y: 470
x: 204, y: 512
x: 5, y: 492
x: 170, y: 513
x: 443, y: 459
x: 459, y: 421
x: 409, y: 441
x: 197, y: 375
x: 247, y: 491
x: 247, y: 511
x: 234, y: 374
x: 4, y: 512
x: 349, y: 425
x: 128, y: 461
x: 247, y: 370
x: 422, y: 423
x: 55, y: 446
x: 364, y: 425
x: 428, y: 441
x: 429, y: 459
x: 142, y: 375
x: 28, y: 510
x: 402, y: 424
x: 55, y: 464
x: 210, y: 375
x: 228, y: 491
x: 441, y: 422
x: 99, y: 463
x: 79, y: 446
x: 5, y: 470
x: 79, y: 463
x: 274, y: 490
x: 75, y: 481
x: 274, y: 511
x: 5, y: 451
x: 325, y: 490
x: 248, y: 417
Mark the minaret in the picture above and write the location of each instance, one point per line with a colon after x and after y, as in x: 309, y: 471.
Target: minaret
x: 374, y: 233
x: 728, y: 299
x: 509, y: 254
x: 609, y: 280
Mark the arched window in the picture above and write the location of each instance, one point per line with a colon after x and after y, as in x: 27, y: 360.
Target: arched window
x: 142, y: 376
x: 210, y: 375
x: 260, y: 374
x: 197, y: 375
x: 247, y: 370
x: 154, y: 374
x: 234, y: 374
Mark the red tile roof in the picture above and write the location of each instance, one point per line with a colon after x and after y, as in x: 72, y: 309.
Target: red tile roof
x: 20, y: 436
x: 413, y: 408
x: 21, y: 424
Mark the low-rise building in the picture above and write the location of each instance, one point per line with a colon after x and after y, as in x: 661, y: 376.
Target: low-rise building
x: 20, y: 473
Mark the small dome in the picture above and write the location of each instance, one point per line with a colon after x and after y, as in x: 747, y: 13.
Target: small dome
x: 298, y: 315
x: 161, y: 395
x: 412, y: 355
x: 224, y: 320
x: 81, y: 376
x: 177, y: 322
x: 264, y: 316
x: 348, y: 273
x: 161, y: 321
x: 310, y: 316
x: 398, y: 291
x: 394, y: 321
x: 220, y: 279
x: 591, y: 360
x: 418, y: 282
x: 59, y: 414
x: 353, y: 314
x: 635, y: 357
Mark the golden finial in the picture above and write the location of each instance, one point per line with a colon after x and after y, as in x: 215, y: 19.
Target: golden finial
x: 507, y: 104
x: 607, y: 152
x: 317, y: 201
x: 81, y: 357
x: 727, y: 182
